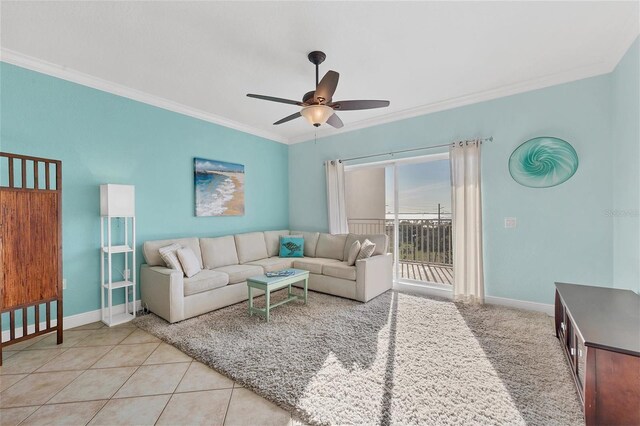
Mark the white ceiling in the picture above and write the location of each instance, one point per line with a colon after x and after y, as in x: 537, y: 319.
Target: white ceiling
x: 201, y: 58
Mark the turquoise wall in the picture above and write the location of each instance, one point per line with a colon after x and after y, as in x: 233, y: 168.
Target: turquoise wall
x: 103, y: 138
x: 565, y: 233
x: 625, y: 140
x: 562, y: 234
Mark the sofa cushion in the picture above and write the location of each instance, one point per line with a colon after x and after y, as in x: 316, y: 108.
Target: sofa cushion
x: 272, y: 240
x: 204, y: 280
x: 273, y: 263
x: 380, y: 240
x: 313, y: 264
x: 220, y: 251
x: 310, y: 242
x: 353, y: 253
x: 331, y: 246
x: 340, y: 270
x: 240, y: 273
x: 152, y: 255
x: 291, y: 246
x: 251, y: 246
x: 189, y: 262
x: 170, y: 257
x: 366, y: 250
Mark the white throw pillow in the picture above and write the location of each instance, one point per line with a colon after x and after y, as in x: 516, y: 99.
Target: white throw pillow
x: 354, y: 250
x: 366, y: 250
x: 189, y: 261
x: 168, y: 254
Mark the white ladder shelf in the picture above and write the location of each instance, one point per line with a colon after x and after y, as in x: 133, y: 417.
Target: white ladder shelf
x: 125, y: 248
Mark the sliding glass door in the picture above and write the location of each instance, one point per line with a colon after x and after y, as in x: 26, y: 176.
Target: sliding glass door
x: 409, y: 200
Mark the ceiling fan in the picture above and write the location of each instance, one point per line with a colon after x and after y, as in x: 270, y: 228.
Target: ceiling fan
x: 317, y: 105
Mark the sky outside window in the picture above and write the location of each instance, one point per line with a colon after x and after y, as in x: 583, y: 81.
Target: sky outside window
x: 421, y: 187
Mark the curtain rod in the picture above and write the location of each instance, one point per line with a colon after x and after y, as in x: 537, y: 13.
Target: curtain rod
x: 489, y: 139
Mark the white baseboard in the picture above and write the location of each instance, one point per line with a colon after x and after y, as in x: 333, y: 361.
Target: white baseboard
x: 521, y: 304
x: 92, y: 316
x: 77, y: 320
x: 70, y: 321
x: 492, y: 300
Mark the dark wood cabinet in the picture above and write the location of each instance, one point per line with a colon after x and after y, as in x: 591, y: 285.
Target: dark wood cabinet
x: 600, y: 333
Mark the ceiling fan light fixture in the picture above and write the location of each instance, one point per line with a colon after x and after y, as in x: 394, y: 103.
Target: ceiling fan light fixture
x: 317, y: 114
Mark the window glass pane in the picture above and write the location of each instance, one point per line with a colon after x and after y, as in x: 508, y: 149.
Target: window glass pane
x: 424, y: 229
x: 423, y: 188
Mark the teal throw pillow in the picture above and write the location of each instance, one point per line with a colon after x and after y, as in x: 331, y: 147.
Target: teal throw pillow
x: 291, y: 246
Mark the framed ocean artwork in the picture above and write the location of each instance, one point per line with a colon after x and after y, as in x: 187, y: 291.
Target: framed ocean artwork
x: 219, y: 188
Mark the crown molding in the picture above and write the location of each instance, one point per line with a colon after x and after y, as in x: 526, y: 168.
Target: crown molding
x: 487, y: 95
x: 38, y: 65
x: 606, y: 66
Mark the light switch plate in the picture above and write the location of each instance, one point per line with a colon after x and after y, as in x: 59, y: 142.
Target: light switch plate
x: 510, y: 222
x: 64, y: 283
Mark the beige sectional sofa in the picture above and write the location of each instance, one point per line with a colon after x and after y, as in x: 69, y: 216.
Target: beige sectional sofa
x: 228, y: 261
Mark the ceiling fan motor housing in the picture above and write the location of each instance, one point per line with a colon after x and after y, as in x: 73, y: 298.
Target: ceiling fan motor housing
x: 316, y: 57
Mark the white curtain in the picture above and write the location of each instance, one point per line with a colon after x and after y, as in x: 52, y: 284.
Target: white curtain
x: 468, y: 271
x: 336, y: 201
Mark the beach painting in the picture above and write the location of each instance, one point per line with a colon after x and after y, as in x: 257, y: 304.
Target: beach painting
x: 219, y: 188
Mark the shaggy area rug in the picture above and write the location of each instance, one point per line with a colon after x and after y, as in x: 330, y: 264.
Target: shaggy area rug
x: 398, y: 359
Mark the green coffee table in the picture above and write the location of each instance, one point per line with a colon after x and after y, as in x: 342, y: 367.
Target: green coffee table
x: 262, y: 282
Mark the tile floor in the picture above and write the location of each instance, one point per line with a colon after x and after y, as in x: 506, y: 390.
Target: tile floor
x: 120, y: 375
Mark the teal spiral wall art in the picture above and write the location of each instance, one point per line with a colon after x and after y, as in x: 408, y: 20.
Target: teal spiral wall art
x: 543, y: 162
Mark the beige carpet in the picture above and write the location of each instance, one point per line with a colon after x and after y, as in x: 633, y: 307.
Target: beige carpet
x: 399, y: 359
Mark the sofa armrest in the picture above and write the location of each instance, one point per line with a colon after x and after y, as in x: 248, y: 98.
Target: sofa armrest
x: 162, y: 291
x: 374, y: 276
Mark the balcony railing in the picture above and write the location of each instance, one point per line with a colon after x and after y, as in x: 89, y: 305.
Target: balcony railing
x: 425, y: 246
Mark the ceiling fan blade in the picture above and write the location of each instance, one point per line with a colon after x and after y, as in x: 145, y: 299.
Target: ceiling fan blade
x: 327, y: 87
x: 355, y: 105
x: 288, y: 118
x: 335, y: 121
x: 272, y: 99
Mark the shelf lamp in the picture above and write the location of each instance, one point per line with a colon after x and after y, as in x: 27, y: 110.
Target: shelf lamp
x: 117, y: 200
x: 317, y: 114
